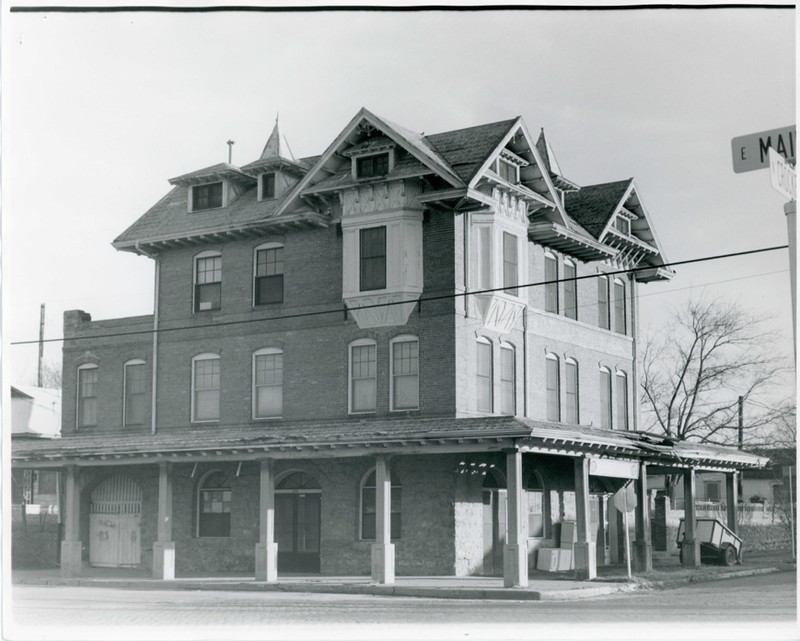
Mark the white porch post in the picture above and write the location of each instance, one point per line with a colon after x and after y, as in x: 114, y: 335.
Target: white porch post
x: 732, y: 500
x: 691, y: 546
x: 383, y: 549
x: 643, y: 547
x: 266, y: 548
x: 71, y: 557
x: 515, y: 557
x: 164, y: 546
x: 585, y: 552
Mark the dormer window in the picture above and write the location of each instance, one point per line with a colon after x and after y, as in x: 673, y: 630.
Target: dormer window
x: 267, y: 186
x: 623, y: 225
x: 507, y: 171
x: 207, y: 196
x: 372, y: 166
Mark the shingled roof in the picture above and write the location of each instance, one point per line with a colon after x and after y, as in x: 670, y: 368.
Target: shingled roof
x: 592, y: 206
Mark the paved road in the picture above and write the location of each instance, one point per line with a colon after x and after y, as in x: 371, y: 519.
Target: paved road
x: 755, y: 605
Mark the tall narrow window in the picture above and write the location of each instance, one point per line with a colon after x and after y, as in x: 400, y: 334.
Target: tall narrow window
x: 553, y: 388
x: 267, y: 186
x: 602, y: 302
x: 605, y: 398
x: 622, y: 401
x: 368, y: 507
x: 571, y: 389
x: 551, y: 284
x: 484, y: 396
x: 485, y: 258
x: 205, y: 387
x: 508, y: 380
x: 134, y: 406
x: 507, y: 171
x: 405, y: 373
x: 619, y: 307
x: 87, y: 396
x: 510, y: 264
x: 207, y: 196
x: 207, y: 281
x: 373, y: 258
x: 536, y: 506
x: 214, y: 506
x: 268, y: 383
x: 363, y: 376
x: 269, y: 275
x: 570, y: 291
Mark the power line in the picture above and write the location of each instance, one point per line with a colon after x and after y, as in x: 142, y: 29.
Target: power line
x: 423, y: 299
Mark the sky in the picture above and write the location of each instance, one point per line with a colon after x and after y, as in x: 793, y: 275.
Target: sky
x: 100, y: 110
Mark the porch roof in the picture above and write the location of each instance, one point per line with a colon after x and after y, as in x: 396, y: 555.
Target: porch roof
x: 290, y: 439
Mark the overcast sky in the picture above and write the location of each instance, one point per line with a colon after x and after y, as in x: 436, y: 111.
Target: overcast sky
x: 100, y: 110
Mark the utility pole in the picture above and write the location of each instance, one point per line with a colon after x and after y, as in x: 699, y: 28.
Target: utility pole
x: 41, y: 346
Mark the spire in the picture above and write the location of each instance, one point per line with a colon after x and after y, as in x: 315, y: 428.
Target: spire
x: 273, y: 147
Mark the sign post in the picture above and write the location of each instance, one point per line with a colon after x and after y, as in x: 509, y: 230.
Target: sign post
x: 624, y: 503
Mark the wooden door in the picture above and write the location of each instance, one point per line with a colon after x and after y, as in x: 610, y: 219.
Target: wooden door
x: 297, y: 531
x: 114, y: 523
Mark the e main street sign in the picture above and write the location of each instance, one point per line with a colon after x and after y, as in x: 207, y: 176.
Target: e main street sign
x: 751, y: 152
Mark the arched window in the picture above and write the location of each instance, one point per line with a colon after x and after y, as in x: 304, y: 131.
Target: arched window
x: 537, y: 513
x: 207, y: 281
x: 622, y: 400
x: 619, y: 307
x: 508, y: 379
x: 553, y: 385
x: 205, y: 387
x: 363, y: 375
x: 134, y: 408
x: 571, y: 391
x: 570, y: 290
x: 605, y: 398
x: 484, y: 396
x: 87, y: 395
x: 268, y: 383
x: 368, y: 506
x: 214, y: 505
x: 404, y: 355
x: 551, y: 283
x: 268, y: 274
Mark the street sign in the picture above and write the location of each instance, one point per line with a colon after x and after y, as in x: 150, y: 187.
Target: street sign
x: 782, y: 175
x: 625, y: 500
x: 750, y: 152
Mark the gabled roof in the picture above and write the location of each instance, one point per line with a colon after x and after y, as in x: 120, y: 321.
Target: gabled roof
x: 220, y: 170
x: 593, y: 206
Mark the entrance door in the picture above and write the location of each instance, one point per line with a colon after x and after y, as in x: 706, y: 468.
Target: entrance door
x: 494, y: 525
x: 297, y: 523
x: 114, y: 515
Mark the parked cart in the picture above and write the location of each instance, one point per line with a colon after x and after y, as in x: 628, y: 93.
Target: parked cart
x: 718, y: 543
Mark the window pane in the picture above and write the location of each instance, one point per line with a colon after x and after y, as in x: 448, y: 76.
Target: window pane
x: 206, y: 386
x: 572, y: 393
x: 484, y: 377
x: 553, y: 392
x: 405, y: 372
x: 551, y: 287
x: 87, y: 401
x: 207, y: 196
x: 622, y: 402
x: 373, y: 258
x: 535, y: 514
x: 363, y: 369
x: 485, y: 253
x: 507, y: 382
x: 602, y: 302
x: 268, y: 186
x: 619, y: 308
x: 134, y: 394
x: 510, y: 264
x: 570, y: 292
x: 605, y: 399
x: 269, y: 385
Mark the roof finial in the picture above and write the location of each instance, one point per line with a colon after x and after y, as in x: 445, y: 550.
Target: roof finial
x: 230, y: 144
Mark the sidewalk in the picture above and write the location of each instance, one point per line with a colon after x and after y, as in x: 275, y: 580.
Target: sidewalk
x: 542, y: 586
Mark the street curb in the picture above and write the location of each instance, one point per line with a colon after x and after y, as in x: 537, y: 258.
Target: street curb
x: 704, y: 578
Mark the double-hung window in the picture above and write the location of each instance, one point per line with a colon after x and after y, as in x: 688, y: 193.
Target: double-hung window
x: 87, y: 395
x: 363, y: 376
x: 207, y: 281
x: 605, y: 398
x: 508, y: 382
x: 622, y: 401
x: 553, y: 385
x: 570, y: 291
x: 269, y: 274
x: 619, y: 307
x: 405, y: 373
x: 372, y: 258
x: 484, y: 397
x: 551, y: 284
x: 602, y: 302
x: 571, y: 391
x: 268, y: 383
x: 205, y: 387
x: 207, y: 196
x: 510, y: 264
x: 135, y: 387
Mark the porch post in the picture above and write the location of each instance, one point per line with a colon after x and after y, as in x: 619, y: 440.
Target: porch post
x: 690, y: 547
x: 266, y: 548
x: 71, y: 556
x: 515, y: 557
x: 164, y: 546
x: 383, y: 548
x: 643, y: 547
x: 732, y: 500
x: 585, y: 552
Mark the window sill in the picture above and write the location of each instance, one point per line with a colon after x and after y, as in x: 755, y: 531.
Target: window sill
x: 267, y: 418
x: 404, y: 410
x: 364, y: 413
x: 209, y: 421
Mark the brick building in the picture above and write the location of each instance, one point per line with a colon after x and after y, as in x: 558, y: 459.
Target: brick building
x: 412, y: 353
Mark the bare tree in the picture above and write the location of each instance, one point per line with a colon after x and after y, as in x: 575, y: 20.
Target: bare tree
x: 694, y: 373
x: 51, y: 376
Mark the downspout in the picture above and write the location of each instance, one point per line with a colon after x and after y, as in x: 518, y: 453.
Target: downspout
x: 635, y: 368
x: 155, y: 337
x: 525, y: 360
x: 465, y: 262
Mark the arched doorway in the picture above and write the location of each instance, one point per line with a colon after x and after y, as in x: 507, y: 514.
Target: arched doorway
x: 115, y: 511
x: 494, y: 523
x: 297, y: 522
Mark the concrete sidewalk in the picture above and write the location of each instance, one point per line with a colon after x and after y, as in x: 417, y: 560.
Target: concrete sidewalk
x: 542, y: 585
